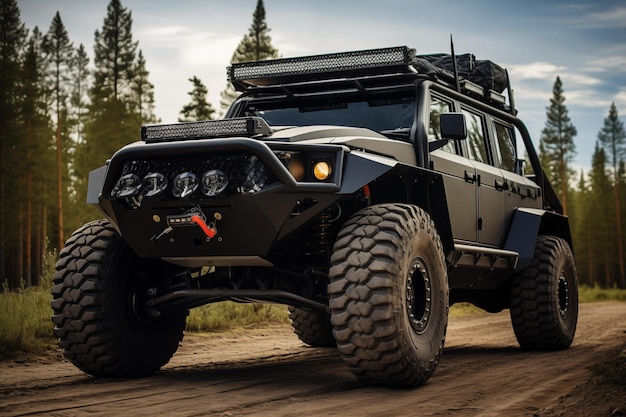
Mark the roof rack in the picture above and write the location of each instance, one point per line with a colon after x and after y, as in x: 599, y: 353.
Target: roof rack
x: 482, y: 80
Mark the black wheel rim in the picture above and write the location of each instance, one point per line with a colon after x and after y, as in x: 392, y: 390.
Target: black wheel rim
x: 418, y: 296
x: 563, y: 295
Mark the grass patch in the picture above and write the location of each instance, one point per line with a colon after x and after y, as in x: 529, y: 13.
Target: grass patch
x: 25, y: 315
x: 587, y: 294
x: 464, y: 310
x: 228, y: 315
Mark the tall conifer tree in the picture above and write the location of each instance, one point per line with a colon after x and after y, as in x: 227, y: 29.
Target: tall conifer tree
x: 600, y: 221
x: 12, y: 37
x: 557, y: 138
x: 59, y: 51
x: 198, y: 108
x: 143, y: 91
x: 32, y: 153
x: 256, y: 45
x: 613, y: 138
x: 114, y: 120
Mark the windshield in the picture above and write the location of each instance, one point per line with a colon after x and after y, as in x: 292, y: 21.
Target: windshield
x: 380, y: 115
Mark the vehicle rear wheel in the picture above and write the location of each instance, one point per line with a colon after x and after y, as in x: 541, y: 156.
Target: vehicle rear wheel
x: 389, y: 295
x: 312, y: 327
x: 99, y: 293
x: 544, y: 297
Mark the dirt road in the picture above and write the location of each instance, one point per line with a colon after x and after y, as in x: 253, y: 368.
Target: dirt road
x: 269, y: 372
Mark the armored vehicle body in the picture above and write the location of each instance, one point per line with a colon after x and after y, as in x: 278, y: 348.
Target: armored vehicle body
x: 366, y: 190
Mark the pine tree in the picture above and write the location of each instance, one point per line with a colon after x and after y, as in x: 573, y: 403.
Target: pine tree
x: 143, y: 91
x: 558, y: 139
x: 256, y: 45
x: 613, y: 138
x: 600, y: 220
x: 198, y: 108
x: 59, y: 51
x: 78, y: 97
x: 12, y: 38
x: 114, y: 119
x: 581, y: 232
x: 80, y: 78
x: 34, y: 156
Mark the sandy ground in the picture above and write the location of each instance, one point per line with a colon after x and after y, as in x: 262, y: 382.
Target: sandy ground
x: 269, y: 372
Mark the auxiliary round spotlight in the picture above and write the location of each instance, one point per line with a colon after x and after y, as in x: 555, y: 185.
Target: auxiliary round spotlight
x: 213, y: 182
x: 322, y: 170
x: 128, y: 185
x: 184, y: 184
x: 153, y: 184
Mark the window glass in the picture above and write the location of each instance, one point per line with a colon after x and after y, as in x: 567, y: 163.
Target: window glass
x: 476, y: 137
x: 506, y: 147
x: 437, y: 107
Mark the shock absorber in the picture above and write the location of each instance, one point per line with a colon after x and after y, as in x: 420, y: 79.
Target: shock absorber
x: 322, y: 232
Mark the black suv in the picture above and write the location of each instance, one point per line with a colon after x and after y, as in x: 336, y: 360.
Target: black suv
x: 366, y: 190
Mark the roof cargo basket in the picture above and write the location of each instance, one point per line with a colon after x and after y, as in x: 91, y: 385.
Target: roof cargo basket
x: 485, y: 73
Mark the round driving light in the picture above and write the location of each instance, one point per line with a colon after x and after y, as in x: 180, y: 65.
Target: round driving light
x: 153, y: 184
x: 322, y: 170
x: 184, y: 184
x: 213, y: 182
x: 126, y: 186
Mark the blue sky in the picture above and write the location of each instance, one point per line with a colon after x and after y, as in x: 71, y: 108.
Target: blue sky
x: 583, y: 42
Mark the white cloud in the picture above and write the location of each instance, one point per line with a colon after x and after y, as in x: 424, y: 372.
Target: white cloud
x: 535, y: 70
x: 615, y: 18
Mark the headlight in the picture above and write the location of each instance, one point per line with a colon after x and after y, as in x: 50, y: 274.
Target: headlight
x: 184, y: 184
x: 214, y: 182
x: 127, y: 186
x: 322, y: 170
x: 153, y: 184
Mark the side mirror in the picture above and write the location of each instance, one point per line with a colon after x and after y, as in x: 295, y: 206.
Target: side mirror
x: 453, y: 126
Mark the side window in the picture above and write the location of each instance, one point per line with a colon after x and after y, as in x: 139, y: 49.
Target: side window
x: 506, y: 147
x: 476, y: 137
x: 437, y: 107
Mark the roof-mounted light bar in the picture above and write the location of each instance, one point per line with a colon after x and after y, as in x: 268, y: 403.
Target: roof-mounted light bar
x: 243, y: 126
x: 322, y: 67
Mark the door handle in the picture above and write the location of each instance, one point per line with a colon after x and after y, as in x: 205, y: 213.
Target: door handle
x: 470, y: 177
x: 501, y: 185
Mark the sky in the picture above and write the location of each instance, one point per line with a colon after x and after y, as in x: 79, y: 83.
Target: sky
x: 582, y: 42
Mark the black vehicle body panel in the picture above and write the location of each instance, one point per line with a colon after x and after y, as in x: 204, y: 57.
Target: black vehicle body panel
x: 488, y: 217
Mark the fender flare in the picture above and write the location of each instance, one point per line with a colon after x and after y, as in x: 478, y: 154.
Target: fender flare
x: 527, y: 224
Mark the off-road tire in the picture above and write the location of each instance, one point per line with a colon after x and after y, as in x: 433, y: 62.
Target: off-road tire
x: 389, y: 295
x: 98, y: 315
x: 312, y: 327
x: 544, y: 297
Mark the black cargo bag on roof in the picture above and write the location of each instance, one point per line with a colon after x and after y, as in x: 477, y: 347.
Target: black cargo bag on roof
x: 487, y: 74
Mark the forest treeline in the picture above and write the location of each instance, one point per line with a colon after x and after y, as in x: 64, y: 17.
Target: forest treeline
x: 63, y: 112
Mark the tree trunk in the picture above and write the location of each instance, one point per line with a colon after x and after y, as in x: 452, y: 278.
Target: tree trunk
x: 620, y: 249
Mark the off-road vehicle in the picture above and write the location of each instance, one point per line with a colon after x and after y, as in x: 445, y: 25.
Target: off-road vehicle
x: 366, y: 190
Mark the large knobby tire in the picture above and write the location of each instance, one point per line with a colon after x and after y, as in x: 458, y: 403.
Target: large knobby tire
x: 544, y: 297
x: 312, y: 326
x: 389, y: 295
x: 98, y: 314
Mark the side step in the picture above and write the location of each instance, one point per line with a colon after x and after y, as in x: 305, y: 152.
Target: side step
x: 482, y: 257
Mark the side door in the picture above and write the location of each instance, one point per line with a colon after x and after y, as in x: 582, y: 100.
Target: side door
x: 458, y: 173
x: 520, y: 191
x: 490, y: 184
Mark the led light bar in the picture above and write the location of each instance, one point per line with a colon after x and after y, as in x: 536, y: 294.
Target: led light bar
x: 367, y: 62
x: 243, y: 126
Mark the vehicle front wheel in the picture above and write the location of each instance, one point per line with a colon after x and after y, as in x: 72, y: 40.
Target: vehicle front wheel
x: 544, y: 297
x: 389, y: 295
x: 100, y: 317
